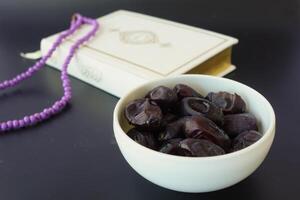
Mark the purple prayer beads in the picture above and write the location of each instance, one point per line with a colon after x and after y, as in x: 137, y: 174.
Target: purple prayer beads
x: 60, y: 104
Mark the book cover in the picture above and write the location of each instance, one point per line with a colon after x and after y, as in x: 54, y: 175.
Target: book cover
x: 132, y: 48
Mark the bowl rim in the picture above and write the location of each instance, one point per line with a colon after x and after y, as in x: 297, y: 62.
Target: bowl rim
x: 268, y: 133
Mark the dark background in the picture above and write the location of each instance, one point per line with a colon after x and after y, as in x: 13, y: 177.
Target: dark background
x: 73, y: 156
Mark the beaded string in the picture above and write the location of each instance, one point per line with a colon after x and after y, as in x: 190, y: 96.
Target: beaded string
x: 59, y: 105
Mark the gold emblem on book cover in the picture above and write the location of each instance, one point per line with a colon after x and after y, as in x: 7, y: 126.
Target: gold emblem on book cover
x: 139, y: 37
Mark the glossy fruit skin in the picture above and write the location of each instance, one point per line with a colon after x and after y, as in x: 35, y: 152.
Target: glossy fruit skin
x: 183, y: 91
x: 201, y: 107
x: 229, y: 103
x: 181, y: 122
x: 202, y: 128
x: 235, y: 124
x: 245, y: 139
x: 144, y: 114
x: 146, y: 139
x: 172, y: 130
x: 200, y: 147
x: 163, y: 96
x: 172, y: 147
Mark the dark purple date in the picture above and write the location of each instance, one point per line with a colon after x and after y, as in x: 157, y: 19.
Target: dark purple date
x: 146, y: 139
x: 144, y: 114
x: 183, y: 91
x: 173, y: 130
x: 237, y: 123
x: 198, y: 106
x: 181, y: 122
x: 245, y: 139
x: 202, y: 128
x: 229, y: 103
x: 163, y: 96
x: 200, y: 148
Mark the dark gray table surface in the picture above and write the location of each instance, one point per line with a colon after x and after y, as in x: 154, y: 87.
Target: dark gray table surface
x: 73, y: 156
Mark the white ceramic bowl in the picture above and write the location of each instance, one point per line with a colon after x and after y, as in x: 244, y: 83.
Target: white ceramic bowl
x: 197, y: 174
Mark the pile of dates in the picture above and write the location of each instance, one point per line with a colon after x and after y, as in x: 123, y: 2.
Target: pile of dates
x: 182, y: 122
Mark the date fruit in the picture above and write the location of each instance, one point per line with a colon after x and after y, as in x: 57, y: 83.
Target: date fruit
x: 199, y: 106
x: 172, y: 147
x: 202, y: 128
x: 200, y: 148
x: 181, y: 122
x: 245, y: 139
x: 237, y: 123
x: 163, y: 96
x: 144, y: 114
x: 183, y: 91
x: 229, y: 103
x: 146, y: 139
x: 173, y: 130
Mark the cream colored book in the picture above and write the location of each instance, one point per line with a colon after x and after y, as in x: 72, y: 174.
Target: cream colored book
x: 132, y: 48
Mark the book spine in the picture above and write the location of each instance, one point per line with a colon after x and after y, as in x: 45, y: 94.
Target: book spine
x: 91, y: 71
